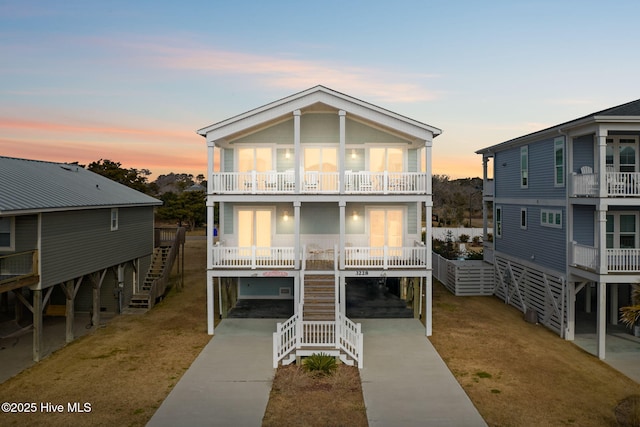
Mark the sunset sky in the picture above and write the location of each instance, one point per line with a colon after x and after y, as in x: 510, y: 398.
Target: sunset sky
x: 131, y: 81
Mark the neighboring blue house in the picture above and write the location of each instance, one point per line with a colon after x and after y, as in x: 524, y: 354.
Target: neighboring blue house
x: 566, y: 217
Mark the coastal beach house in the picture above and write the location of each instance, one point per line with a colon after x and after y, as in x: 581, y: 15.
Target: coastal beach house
x: 566, y: 209
x: 70, y: 241
x: 311, y: 191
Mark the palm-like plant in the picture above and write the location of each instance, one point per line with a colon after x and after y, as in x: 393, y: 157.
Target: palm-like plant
x: 630, y: 315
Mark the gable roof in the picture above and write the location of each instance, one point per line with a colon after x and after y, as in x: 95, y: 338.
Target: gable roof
x: 319, y: 95
x: 621, y: 112
x: 30, y: 186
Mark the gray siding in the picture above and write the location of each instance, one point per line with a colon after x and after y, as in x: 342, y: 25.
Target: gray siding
x: 228, y: 161
x: 543, y: 245
x: 281, y: 133
x: 81, y: 242
x: 541, y: 172
x: 319, y: 128
x: 583, y: 225
x: 583, y: 152
x: 26, y: 234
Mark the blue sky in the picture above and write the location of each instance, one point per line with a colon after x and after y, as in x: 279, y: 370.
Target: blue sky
x: 131, y: 81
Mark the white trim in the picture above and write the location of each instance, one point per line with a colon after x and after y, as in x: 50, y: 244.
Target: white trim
x: 549, y: 218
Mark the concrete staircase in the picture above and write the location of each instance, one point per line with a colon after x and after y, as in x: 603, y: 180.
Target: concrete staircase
x: 319, y: 297
x: 141, y: 299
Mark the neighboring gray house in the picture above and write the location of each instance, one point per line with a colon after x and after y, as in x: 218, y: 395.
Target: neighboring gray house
x: 566, y: 209
x: 63, y: 225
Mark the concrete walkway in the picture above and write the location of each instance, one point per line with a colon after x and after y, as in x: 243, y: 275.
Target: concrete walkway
x: 229, y: 382
x: 405, y: 382
x: 622, y: 351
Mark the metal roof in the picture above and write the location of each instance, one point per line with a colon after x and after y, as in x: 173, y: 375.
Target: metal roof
x: 40, y: 186
x: 629, y: 109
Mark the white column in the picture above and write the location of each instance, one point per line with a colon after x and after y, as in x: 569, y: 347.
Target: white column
x: 601, y: 236
x: 210, y: 302
x: 428, y: 247
x: 210, y: 203
x: 296, y: 234
x: 602, y: 319
x: 342, y: 238
x: 613, y: 303
x: 342, y: 150
x: 296, y: 293
x: 601, y: 137
x: 569, y: 332
x: 343, y: 295
x: 485, y: 216
x: 296, y: 149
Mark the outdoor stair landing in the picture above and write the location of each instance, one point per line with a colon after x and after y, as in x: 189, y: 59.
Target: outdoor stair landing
x: 140, y: 299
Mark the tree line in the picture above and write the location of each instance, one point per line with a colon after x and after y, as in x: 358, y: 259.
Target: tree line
x: 455, y: 202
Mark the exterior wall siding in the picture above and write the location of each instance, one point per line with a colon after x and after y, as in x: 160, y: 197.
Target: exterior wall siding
x: 264, y: 288
x: 583, y: 225
x: 583, y: 153
x: 26, y: 233
x: 81, y: 242
x: 545, y: 244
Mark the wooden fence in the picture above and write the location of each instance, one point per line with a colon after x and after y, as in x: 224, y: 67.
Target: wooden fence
x: 464, y: 278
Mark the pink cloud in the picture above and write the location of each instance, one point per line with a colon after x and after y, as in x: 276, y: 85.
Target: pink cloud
x: 291, y: 74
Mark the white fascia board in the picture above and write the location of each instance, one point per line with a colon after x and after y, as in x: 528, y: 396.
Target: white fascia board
x: 287, y: 106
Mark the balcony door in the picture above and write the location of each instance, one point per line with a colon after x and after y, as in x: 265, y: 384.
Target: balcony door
x: 385, y: 229
x: 386, y: 159
x: 322, y: 160
x: 622, y: 154
x: 254, y: 229
x: 622, y: 230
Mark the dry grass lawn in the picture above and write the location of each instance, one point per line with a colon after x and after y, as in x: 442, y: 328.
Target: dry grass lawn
x: 517, y: 374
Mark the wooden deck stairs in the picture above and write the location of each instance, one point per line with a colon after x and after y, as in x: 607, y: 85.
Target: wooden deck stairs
x: 141, y: 299
x: 319, y: 297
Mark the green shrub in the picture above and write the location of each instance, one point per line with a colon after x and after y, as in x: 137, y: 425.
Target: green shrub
x: 320, y: 363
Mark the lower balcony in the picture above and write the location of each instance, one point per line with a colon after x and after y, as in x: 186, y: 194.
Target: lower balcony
x: 314, y: 257
x: 617, y: 260
x: 618, y: 184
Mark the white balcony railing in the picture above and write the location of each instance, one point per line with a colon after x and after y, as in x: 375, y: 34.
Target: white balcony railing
x: 253, y: 257
x: 618, y: 184
x: 384, y: 257
x: 312, y: 182
x: 356, y: 257
x: 617, y: 260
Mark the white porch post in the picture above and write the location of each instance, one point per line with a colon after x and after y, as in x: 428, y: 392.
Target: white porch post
x: 602, y: 319
x: 296, y: 234
x: 296, y: 149
x: 569, y: 332
x: 601, y: 136
x: 210, y: 302
x: 613, y: 303
x: 296, y: 293
x: 601, y: 236
x: 341, y: 240
x: 428, y: 247
x: 343, y: 296
x: 485, y: 207
x: 342, y: 150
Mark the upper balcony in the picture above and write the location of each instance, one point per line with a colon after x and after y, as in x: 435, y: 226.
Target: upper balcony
x: 313, y: 182
x: 618, y: 184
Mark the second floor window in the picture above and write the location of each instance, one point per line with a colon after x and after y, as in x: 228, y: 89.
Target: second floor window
x: 524, y: 167
x: 255, y: 159
x: 498, y: 221
x: 6, y: 233
x: 558, y: 158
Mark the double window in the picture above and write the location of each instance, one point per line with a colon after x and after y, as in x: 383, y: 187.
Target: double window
x: 622, y: 230
x: 551, y: 218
